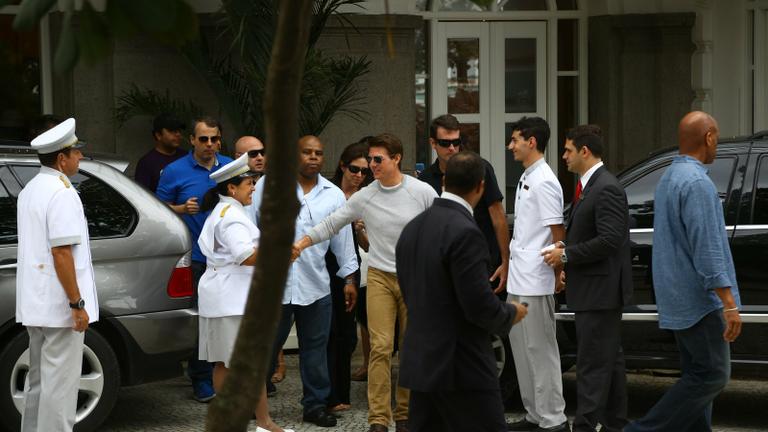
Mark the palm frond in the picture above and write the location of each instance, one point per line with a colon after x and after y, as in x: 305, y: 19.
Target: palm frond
x: 136, y: 101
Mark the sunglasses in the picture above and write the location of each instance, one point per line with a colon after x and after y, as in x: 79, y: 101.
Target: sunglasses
x: 448, y: 142
x: 377, y: 159
x: 255, y: 153
x: 214, y: 139
x: 356, y: 169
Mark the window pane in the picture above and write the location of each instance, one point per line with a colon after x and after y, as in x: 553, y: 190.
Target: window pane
x: 520, y: 75
x: 461, y: 5
x: 512, y: 5
x: 567, y: 45
x: 107, y: 212
x: 421, y: 5
x: 20, y: 72
x: 566, y: 5
x: 25, y: 173
x: 463, y: 76
x: 513, y: 170
x: 423, y: 150
x: 760, y: 212
x: 8, y: 232
x: 640, y: 193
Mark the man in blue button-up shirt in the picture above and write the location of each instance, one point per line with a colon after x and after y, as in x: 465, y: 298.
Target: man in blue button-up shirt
x: 694, y: 280
x: 307, y: 295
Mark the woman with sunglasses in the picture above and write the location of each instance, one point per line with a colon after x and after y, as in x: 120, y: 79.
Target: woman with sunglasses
x: 229, y: 241
x: 352, y: 173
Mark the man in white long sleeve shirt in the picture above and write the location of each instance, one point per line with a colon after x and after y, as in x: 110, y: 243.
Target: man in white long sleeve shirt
x: 385, y: 206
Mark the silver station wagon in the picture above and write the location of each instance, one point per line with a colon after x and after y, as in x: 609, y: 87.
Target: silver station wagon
x: 141, y: 261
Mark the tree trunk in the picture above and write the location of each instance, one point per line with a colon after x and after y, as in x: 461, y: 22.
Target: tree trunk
x: 234, y: 405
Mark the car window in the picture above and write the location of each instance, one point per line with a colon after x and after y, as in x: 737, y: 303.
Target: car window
x: 760, y: 212
x: 7, y: 208
x: 107, y: 212
x: 640, y: 192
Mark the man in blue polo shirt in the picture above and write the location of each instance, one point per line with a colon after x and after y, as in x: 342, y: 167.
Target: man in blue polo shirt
x: 182, y: 185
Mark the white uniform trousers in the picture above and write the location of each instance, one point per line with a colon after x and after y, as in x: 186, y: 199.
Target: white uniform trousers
x: 55, y: 362
x: 537, y: 361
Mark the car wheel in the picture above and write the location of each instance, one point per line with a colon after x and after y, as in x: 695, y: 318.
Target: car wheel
x: 505, y: 369
x: 97, y: 390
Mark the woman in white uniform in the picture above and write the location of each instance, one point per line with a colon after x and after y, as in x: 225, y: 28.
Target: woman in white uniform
x: 229, y: 241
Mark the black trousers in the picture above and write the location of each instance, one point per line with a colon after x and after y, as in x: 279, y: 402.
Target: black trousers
x: 601, y: 380
x: 463, y: 410
x: 341, y: 345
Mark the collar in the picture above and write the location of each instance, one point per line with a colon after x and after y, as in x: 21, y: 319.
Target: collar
x: 533, y: 167
x: 50, y: 171
x: 458, y: 199
x: 587, y: 175
x: 690, y: 159
x: 229, y: 200
x: 322, y: 183
x: 194, y: 162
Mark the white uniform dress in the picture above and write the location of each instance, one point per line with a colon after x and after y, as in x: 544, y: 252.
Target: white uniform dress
x: 228, y: 238
x: 50, y: 214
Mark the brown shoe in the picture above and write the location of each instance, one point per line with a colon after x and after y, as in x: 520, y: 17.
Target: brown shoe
x: 401, y: 425
x: 360, y: 374
x: 375, y: 427
x: 279, y: 374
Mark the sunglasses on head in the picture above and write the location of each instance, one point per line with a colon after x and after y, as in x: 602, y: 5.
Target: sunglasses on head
x: 377, y: 159
x: 254, y: 153
x: 449, y: 142
x: 214, y: 139
x: 356, y: 169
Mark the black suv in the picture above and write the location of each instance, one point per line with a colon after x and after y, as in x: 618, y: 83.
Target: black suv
x: 740, y: 173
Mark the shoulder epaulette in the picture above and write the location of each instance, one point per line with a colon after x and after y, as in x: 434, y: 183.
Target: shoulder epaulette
x: 224, y: 210
x: 65, y: 181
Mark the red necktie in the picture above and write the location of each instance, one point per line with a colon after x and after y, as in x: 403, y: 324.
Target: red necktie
x: 578, y: 192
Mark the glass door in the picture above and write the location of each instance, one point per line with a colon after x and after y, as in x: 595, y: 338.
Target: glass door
x: 489, y: 74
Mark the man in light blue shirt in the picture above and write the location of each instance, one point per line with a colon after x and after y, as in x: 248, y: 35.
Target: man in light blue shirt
x: 307, y: 295
x: 694, y: 280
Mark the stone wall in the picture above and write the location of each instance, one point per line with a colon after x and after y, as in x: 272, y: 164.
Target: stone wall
x: 639, y: 81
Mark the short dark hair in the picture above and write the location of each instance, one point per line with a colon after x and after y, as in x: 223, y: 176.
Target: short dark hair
x: 209, y: 121
x: 535, y: 127
x: 389, y: 142
x: 167, y: 121
x: 49, y: 159
x: 463, y: 172
x: 42, y: 124
x: 445, y: 121
x: 590, y: 136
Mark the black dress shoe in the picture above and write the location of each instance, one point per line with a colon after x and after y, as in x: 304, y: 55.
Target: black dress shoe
x: 565, y: 427
x: 522, y: 425
x: 378, y: 428
x: 320, y: 417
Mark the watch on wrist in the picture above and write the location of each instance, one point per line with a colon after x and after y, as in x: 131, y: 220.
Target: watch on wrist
x: 80, y: 304
x: 564, y: 257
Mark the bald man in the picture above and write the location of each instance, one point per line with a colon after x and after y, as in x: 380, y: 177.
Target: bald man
x: 307, y: 294
x: 694, y: 281
x: 257, y: 156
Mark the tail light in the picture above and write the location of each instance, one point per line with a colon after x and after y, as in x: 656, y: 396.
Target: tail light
x: 180, y: 284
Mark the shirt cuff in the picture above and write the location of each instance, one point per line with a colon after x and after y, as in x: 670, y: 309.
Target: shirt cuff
x: 552, y: 221
x: 719, y: 280
x: 65, y: 241
x: 348, y: 269
x: 242, y: 256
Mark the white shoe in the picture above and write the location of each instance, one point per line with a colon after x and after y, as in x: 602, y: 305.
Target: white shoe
x: 261, y: 429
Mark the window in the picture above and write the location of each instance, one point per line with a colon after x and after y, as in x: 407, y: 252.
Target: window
x: 20, y: 70
x: 107, y: 212
x: 7, y: 207
x: 641, y: 191
x: 760, y: 209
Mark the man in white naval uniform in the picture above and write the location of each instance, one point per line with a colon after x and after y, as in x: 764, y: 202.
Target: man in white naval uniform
x: 55, y: 291
x: 538, y: 224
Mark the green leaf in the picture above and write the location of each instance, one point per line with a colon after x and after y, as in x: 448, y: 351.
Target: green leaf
x: 93, y: 34
x: 67, y: 51
x: 31, y: 12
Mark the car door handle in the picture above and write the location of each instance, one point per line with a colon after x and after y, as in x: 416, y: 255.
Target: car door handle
x: 8, y: 264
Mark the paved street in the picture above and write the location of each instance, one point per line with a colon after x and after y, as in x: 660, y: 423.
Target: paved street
x: 168, y: 407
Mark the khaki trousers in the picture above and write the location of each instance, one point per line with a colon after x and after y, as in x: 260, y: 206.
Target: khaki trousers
x: 385, y: 305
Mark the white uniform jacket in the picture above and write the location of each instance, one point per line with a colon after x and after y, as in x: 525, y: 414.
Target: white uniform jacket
x: 538, y: 204
x: 50, y: 214
x: 227, y: 239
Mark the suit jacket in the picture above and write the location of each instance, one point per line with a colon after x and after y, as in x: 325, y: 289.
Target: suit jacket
x: 599, y: 271
x: 442, y: 270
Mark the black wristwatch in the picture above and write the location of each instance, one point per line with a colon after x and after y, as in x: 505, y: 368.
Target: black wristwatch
x: 80, y: 304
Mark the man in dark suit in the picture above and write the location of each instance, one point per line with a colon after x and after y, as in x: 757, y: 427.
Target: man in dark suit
x: 446, y: 359
x: 597, y: 264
